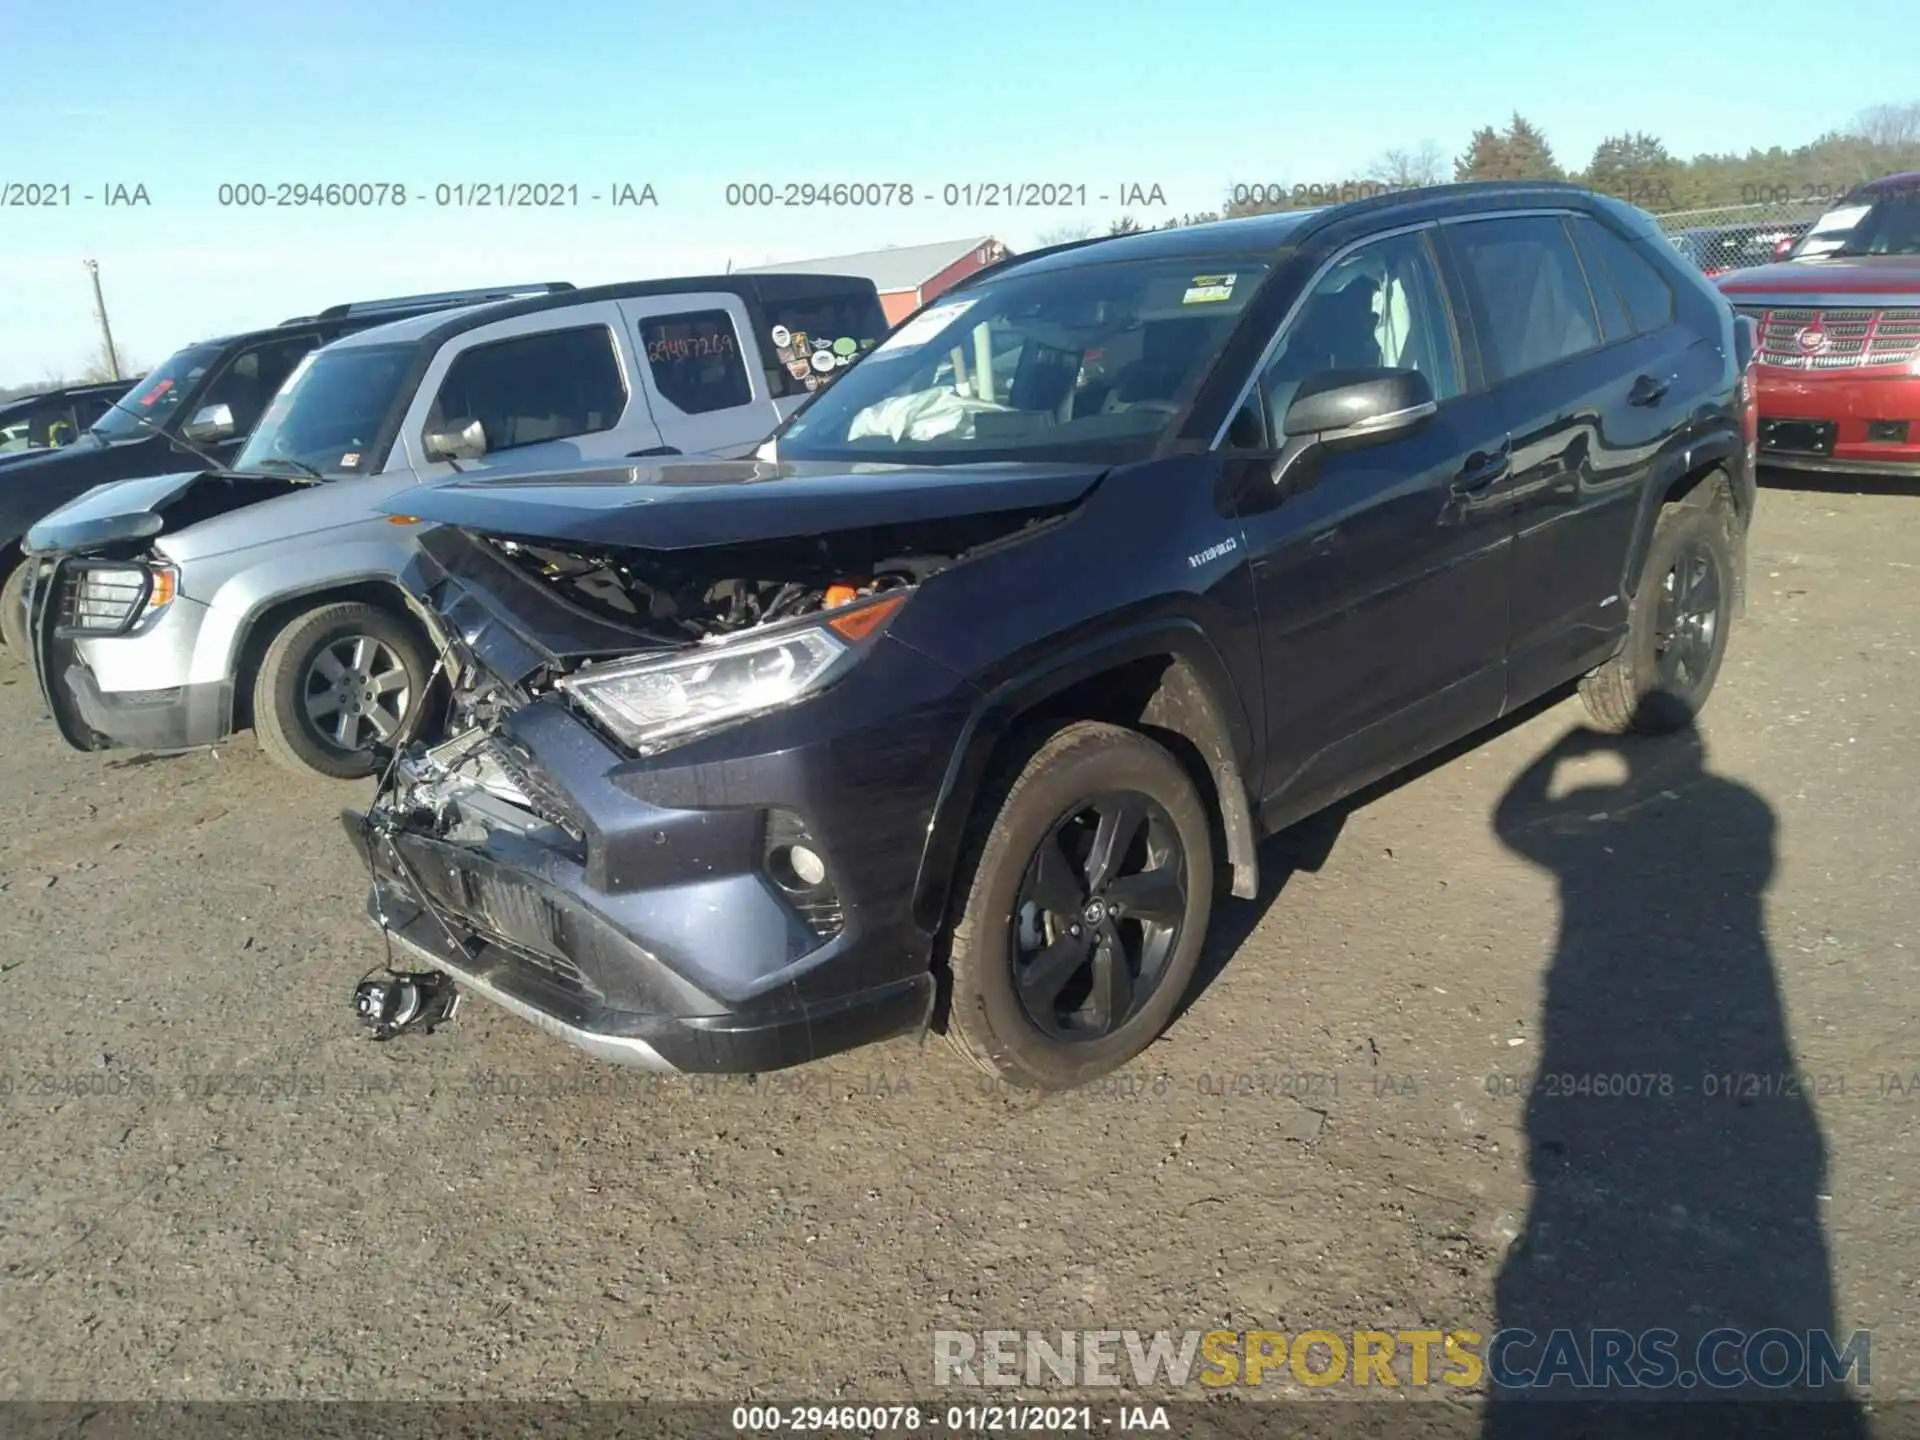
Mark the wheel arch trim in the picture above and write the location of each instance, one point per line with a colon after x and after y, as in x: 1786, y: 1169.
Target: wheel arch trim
x: 1196, y: 698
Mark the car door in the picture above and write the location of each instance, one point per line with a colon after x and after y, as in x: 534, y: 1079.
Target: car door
x: 1381, y: 588
x: 243, y: 386
x: 703, y: 372
x: 1589, y: 402
x: 552, y: 389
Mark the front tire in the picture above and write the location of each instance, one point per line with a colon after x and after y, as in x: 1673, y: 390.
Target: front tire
x: 14, y: 627
x: 1085, y: 910
x: 1676, y: 626
x: 335, y: 682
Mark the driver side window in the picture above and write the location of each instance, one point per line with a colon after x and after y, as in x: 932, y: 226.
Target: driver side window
x: 1380, y: 306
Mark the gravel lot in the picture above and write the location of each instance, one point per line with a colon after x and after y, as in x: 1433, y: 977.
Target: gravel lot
x: 211, y: 1185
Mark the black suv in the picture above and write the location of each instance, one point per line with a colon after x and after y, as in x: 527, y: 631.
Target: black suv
x: 1014, y: 642
x: 199, y: 405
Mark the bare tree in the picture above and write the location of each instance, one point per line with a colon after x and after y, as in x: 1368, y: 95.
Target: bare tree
x: 1889, y: 124
x: 1063, y: 234
x: 1422, y: 166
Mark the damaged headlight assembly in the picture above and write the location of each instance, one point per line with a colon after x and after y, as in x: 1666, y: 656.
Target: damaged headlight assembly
x: 653, y: 702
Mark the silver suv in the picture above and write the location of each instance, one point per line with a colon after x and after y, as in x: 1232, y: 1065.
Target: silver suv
x: 172, y: 610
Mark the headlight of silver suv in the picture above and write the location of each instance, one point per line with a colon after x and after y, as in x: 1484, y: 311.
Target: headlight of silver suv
x: 654, y: 701
x: 109, y: 599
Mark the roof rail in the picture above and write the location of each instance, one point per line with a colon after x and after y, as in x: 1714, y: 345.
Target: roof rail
x: 440, y: 298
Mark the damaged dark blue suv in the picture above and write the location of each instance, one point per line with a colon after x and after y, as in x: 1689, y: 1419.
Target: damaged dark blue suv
x: 957, y: 706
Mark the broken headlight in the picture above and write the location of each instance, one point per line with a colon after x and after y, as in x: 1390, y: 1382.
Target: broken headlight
x: 651, y: 702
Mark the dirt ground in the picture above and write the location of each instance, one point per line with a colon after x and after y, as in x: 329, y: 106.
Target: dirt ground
x: 212, y: 1185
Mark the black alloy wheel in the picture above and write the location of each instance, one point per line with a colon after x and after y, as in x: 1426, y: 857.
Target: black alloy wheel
x: 1098, y: 915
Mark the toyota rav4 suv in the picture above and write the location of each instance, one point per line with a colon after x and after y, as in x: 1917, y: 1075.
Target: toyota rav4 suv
x: 946, y: 707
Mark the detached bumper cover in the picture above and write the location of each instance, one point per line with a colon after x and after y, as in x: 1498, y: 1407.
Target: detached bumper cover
x: 629, y: 907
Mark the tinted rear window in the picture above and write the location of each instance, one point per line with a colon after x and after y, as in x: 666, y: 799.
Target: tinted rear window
x: 841, y: 325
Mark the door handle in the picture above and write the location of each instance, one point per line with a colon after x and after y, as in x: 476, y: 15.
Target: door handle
x: 1649, y: 389
x: 654, y: 451
x: 1483, y: 469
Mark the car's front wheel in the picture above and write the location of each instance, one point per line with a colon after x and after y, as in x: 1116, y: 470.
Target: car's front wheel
x: 14, y: 629
x: 1676, y: 626
x: 336, y: 682
x: 1085, y: 910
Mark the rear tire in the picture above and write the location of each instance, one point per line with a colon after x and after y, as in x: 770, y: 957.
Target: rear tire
x: 1676, y: 626
x: 335, y: 681
x: 1049, y: 996
x: 14, y: 628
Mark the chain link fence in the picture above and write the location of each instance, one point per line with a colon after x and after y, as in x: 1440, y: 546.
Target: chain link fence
x: 1735, y: 237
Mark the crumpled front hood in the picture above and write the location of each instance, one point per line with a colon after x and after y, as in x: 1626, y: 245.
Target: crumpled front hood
x: 684, y: 505
x: 132, y: 510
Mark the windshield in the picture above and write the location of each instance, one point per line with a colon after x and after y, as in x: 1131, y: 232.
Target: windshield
x: 326, y: 415
x: 1867, y: 224
x: 158, y: 395
x: 1088, y: 362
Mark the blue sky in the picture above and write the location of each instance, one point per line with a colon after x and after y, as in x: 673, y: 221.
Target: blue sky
x: 181, y: 98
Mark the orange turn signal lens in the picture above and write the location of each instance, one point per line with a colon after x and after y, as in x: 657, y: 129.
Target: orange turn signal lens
x: 164, y: 582
x: 859, y: 624
x: 403, y: 519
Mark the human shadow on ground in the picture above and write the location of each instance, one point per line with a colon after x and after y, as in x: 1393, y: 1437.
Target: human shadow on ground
x: 1675, y: 1156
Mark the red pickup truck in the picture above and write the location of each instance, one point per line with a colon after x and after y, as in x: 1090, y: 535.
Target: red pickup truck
x: 1839, y: 330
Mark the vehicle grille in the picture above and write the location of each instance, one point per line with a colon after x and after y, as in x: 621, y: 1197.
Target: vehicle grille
x: 1846, y: 339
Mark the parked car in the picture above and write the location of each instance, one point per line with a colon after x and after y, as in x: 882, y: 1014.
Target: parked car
x: 201, y: 403
x: 188, y: 605
x: 53, y: 419
x: 955, y: 698
x: 1839, y: 326
x: 1716, y: 249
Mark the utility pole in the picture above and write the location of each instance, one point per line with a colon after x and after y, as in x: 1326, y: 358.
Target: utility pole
x: 100, y: 309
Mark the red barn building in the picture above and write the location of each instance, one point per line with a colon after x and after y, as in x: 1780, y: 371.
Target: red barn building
x: 907, y: 276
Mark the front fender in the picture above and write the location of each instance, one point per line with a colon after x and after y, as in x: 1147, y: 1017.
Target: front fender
x: 277, y: 574
x: 1201, y: 702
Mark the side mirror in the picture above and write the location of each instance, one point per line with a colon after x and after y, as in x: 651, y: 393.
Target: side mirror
x: 459, y: 441
x: 210, y: 423
x: 1342, y: 410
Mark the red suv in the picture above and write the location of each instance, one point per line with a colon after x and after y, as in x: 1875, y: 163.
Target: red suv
x: 1839, y: 358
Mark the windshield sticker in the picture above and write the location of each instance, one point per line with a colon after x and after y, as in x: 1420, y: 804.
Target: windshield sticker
x: 844, y: 345
x: 1841, y: 219
x: 799, y: 342
x: 154, y: 394
x: 799, y: 369
x: 813, y: 382
x: 1209, y: 289
x: 822, y: 360
x: 350, y: 459
x: 924, y: 326
x: 781, y: 335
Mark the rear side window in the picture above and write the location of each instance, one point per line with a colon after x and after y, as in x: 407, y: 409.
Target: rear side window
x: 695, y: 360
x: 841, y: 325
x: 535, y: 388
x: 1530, y: 291
x: 1618, y: 271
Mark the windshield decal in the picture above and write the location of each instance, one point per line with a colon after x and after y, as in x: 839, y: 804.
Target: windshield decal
x: 1209, y: 289
x: 924, y: 326
x: 782, y: 337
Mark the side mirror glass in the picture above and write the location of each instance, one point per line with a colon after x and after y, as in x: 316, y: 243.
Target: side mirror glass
x: 463, y: 440
x: 210, y: 423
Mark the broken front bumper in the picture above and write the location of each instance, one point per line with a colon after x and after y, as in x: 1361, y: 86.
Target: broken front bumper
x: 651, y: 912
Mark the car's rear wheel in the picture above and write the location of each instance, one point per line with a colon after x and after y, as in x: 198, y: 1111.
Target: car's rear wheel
x: 1084, y: 912
x: 335, y: 683
x: 1676, y: 626
x: 15, y: 623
